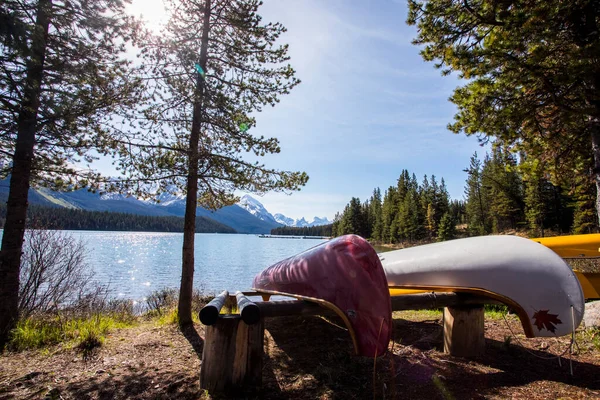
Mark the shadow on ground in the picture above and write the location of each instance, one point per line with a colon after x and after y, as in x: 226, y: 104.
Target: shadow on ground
x: 314, y: 358
x: 135, y: 385
x: 194, y: 339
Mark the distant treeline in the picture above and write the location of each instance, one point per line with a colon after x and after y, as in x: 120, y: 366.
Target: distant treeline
x: 323, y: 230
x: 502, y: 193
x: 72, y: 219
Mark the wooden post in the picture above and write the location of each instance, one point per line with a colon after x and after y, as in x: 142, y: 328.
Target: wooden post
x: 232, y: 356
x: 463, y: 331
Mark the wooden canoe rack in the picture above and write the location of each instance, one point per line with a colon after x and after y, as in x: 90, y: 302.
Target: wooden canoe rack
x: 232, y: 358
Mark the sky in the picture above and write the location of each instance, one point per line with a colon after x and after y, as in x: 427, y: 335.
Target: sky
x: 367, y: 108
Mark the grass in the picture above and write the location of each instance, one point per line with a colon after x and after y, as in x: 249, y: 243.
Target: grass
x: 168, y: 317
x: 495, y: 311
x: 417, y: 315
x: 83, y: 333
x: 87, y: 330
x: 589, y: 339
x: 491, y: 311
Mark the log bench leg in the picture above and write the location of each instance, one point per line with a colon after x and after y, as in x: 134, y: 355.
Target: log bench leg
x: 232, y: 356
x: 464, y: 331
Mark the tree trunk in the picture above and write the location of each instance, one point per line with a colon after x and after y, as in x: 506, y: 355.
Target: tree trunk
x: 16, y: 206
x: 189, y: 228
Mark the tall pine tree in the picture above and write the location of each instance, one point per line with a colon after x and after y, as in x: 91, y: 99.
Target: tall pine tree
x: 63, y: 78
x: 214, y: 65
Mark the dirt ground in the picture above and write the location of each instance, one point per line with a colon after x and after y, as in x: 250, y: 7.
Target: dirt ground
x: 311, y: 358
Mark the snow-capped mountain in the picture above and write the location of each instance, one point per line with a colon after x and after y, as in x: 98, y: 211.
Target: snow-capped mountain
x: 320, y: 221
x: 248, y: 216
x: 256, y: 208
x: 283, y: 220
x: 301, y: 223
x: 316, y: 221
x: 166, y: 199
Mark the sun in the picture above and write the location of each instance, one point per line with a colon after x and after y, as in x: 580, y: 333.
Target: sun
x: 153, y: 13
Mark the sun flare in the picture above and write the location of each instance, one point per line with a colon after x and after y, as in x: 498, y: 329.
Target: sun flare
x: 152, y: 12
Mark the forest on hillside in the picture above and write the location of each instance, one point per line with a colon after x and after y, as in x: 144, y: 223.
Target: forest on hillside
x: 502, y: 193
x: 73, y: 219
x: 320, y: 230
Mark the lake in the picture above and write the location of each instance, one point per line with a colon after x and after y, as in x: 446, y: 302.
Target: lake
x: 137, y: 263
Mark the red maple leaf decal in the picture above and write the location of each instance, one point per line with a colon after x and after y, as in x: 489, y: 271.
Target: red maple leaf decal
x: 545, y: 320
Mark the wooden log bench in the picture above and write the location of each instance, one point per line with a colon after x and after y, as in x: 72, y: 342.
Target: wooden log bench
x: 232, y: 358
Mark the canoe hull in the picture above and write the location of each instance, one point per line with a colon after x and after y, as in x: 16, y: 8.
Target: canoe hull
x: 345, y: 275
x: 527, y: 276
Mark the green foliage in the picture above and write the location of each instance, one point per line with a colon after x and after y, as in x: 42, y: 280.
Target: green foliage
x: 170, y: 317
x: 504, y: 185
x: 409, y: 212
x: 189, y: 124
x: 376, y: 216
x: 354, y: 219
x: 585, y: 219
x: 85, y: 79
x: 62, y: 218
x: 321, y: 230
x: 496, y: 311
x: 86, y: 333
x: 546, y: 206
x: 447, y: 229
x: 532, y: 79
x: 477, y: 200
x: 500, y: 195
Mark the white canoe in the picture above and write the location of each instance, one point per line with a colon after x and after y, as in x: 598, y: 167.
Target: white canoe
x: 527, y: 276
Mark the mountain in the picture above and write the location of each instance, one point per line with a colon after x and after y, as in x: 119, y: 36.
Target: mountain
x: 247, y: 216
x: 283, y: 220
x: 84, y: 199
x: 320, y: 221
x: 302, y: 222
x: 256, y: 208
x: 234, y: 216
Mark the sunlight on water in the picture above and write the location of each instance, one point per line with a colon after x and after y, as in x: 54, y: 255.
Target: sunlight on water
x: 134, y: 264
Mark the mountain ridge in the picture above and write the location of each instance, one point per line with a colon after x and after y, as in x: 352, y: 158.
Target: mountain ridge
x: 247, y: 216
x: 257, y: 209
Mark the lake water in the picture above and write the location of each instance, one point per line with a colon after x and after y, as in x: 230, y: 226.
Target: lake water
x: 137, y: 263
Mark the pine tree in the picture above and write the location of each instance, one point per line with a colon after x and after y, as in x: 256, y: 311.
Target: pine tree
x: 431, y: 226
x: 389, y: 209
x: 353, y: 220
x: 447, y: 228
x: 376, y: 215
x: 584, y: 219
x: 531, y: 71
x: 477, y: 212
x: 214, y: 64
x: 500, y: 176
x: 63, y: 78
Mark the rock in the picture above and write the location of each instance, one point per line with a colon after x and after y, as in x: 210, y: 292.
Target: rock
x: 591, y: 316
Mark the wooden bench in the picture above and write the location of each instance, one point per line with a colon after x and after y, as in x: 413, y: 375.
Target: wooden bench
x: 232, y: 358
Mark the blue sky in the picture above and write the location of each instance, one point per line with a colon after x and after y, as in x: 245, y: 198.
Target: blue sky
x: 368, y: 105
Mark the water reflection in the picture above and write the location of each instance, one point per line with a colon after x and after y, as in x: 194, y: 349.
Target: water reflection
x: 136, y: 263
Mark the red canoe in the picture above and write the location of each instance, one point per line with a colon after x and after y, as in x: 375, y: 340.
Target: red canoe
x: 345, y: 275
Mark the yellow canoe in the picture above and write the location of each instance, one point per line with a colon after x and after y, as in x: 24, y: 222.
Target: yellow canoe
x: 574, y: 246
